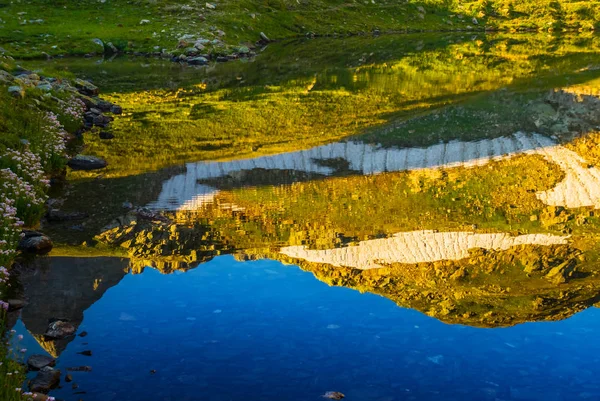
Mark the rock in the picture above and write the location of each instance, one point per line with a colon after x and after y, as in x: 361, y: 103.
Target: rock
x: 84, y: 162
x: 197, y: 61
x: 60, y: 329
x: 44, y: 86
x: 35, y: 242
x: 59, y: 215
x: 144, y: 21
x: 244, y: 50
x: 127, y: 205
x: 421, y: 9
x: 80, y: 369
x: 111, y: 48
x: 68, y: 378
x: 95, y: 111
x: 333, y: 395
x: 191, y: 51
x: 103, y: 105
x: 86, y: 88
x: 6, y: 77
x: 474, y: 21
x: 115, y: 109
x: 37, y: 362
x: 264, y: 37
x: 211, y: 6
x: 106, y: 135
x: 47, y: 379
x: 15, y: 304
x: 16, y: 91
x: 98, y: 42
x: 101, y: 120
x: 85, y: 353
x: 83, y: 334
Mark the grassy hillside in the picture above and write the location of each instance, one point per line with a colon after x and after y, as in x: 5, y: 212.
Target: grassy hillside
x: 35, y: 28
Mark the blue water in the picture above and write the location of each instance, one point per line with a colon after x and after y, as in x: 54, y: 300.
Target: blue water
x: 262, y: 330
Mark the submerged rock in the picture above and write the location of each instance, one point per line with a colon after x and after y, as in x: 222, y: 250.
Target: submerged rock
x: 333, y: 395
x: 47, y: 379
x: 83, y: 162
x: 35, y: 242
x: 60, y: 329
x: 59, y: 215
x: 37, y: 362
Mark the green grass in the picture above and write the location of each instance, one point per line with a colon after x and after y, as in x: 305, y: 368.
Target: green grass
x: 68, y: 27
x: 12, y: 372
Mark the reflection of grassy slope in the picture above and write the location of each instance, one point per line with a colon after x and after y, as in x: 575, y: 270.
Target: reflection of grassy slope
x: 205, y: 121
x: 69, y: 26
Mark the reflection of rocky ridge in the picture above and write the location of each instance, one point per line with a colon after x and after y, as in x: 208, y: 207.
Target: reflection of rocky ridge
x: 487, y: 289
x: 416, y: 247
x: 64, y: 288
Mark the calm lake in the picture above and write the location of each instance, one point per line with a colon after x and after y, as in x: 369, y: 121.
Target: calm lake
x: 394, y: 218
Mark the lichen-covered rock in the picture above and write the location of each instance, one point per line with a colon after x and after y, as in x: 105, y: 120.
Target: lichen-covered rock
x: 86, y: 88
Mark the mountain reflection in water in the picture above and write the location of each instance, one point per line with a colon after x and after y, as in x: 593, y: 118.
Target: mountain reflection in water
x: 290, y: 226
x: 262, y: 330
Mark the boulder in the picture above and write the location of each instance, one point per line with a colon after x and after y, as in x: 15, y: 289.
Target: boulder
x: 47, y: 379
x: 35, y: 242
x: 106, y: 135
x: 16, y: 91
x: 103, y: 105
x: 100, y: 120
x: 60, y: 329
x: 6, y: 77
x: 84, y: 162
x: 59, y: 215
x: 15, y: 304
x: 37, y: 361
x: 86, y: 88
x: 116, y: 109
x: 44, y: 86
x: 198, y: 61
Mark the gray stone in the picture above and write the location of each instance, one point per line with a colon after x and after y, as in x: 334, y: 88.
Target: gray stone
x: 211, y: 6
x: 112, y: 48
x: 16, y: 91
x: 35, y: 242
x: 116, y: 109
x: 6, y: 77
x: 47, y: 379
x: 84, y: 162
x: 197, y: 61
x: 44, y: 86
x: 264, y: 37
x: 101, y: 120
x: 98, y: 42
x: 244, y: 50
x: 37, y: 361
